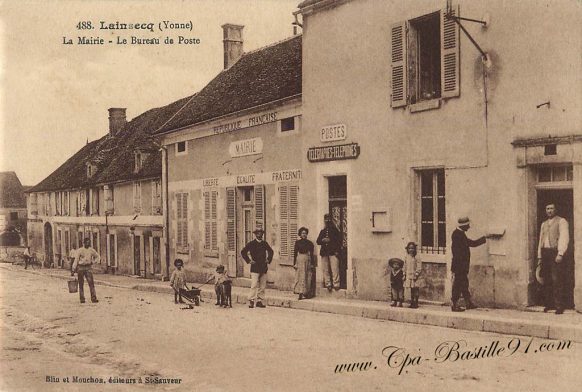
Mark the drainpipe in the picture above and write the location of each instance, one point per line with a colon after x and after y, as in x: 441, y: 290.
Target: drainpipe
x: 166, y: 212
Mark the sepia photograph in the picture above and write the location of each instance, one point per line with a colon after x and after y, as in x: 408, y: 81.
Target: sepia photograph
x: 290, y: 195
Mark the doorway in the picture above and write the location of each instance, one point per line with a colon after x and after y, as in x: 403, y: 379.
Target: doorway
x: 48, y: 245
x: 563, y: 199
x: 136, y: 254
x: 246, y: 216
x: 338, y: 209
x: 157, y: 257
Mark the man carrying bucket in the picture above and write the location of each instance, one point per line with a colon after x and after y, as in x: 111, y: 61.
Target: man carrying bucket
x: 85, y: 257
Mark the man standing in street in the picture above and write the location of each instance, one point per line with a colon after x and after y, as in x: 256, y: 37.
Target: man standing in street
x: 27, y: 257
x: 553, y: 244
x: 261, y: 256
x: 460, y: 265
x: 86, y: 256
x: 330, y: 240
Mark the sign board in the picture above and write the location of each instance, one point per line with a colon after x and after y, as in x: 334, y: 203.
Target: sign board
x: 332, y: 133
x: 333, y: 153
x: 246, y: 147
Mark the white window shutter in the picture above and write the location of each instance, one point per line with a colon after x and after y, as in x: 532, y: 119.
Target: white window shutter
x: 293, y: 216
x: 231, y: 219
x: 284, y: 220
x: 207, y: 225
x: 450, y: 72
x: 398, y: 97
x: 260, y: 207
x: 214, y: 225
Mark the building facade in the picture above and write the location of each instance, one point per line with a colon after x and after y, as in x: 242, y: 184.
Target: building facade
x: 242, y: 134
x: 111, y: 193
x: 427, y: 129
x: 12, y: 207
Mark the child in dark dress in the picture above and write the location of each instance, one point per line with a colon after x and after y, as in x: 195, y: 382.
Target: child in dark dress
x: 396, y: 281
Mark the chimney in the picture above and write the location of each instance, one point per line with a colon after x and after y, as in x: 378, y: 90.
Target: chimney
x: 116, y: 120
x: 233, y: 44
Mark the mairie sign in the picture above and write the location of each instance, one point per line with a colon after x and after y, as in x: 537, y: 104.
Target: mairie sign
x: 333, y: 153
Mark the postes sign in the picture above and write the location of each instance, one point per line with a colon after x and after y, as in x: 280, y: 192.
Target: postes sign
x: 333, y: 153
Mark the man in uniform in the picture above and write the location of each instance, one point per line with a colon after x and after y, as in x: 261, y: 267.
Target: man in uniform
x: 86, y: 256
x: 330, y: 240
x: 460, y: 247
x: 553, y: 244
x: 261, y: 256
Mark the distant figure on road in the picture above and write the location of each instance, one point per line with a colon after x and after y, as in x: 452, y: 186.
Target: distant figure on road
x: 330, y: 240
x: 460, y: 266
x: 553, y: 244
x: 27, y: 257
x: 261, y: 256
x: 72, y: 256
x: 86, y: 256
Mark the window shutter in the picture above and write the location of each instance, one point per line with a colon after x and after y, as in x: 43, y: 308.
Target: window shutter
x: 450, y: 73
x: 214, y: 234
x: 260, y: 207
x: 207, y: 227
x: 398, y: 60
x: 230, y: 219
x: 179, y: 234
x: 293, y: 215
x: 284, y: 220
x: 185, y: 219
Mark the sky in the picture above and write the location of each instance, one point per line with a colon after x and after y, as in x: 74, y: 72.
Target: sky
x: 54, y: 97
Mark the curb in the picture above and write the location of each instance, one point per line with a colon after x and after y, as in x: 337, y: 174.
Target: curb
x: 470, y: 321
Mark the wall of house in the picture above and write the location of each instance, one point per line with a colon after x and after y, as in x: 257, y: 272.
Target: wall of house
x: 471, y: 140
x: 208, y: 165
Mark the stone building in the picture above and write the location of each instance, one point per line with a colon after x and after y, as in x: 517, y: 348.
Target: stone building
x: 12, y: 207
x: 110, y: 191
x: 234, y: 162
x: 437, y: 130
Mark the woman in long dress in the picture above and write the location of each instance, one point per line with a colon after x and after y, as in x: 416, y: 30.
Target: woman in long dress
x: 303, y: 264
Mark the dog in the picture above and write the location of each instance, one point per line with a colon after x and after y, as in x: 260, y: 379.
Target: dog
x: 224, y: 294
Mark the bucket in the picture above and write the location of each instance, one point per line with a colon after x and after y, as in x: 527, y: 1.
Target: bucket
x: 73, y: 285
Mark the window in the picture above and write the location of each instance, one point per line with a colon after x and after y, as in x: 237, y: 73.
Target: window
x: 425, y: 59
x: 13, y: 216
x: 59, y: 202
x: 137, y: 196
x: 94, y: 201
x: 156, y: 197
x: 287, y: 124
x: 210, y: 221
x: 432, y: 211
x: 109, y: 201
x: 182, y: 222
x: 112, y: 250
x: 555, y: 173
x: 181, y: 148
x: 33, y: 204
x: 138, y: 162
x: 288, y: 215
x: 66, y: 206
x: 95, y: 243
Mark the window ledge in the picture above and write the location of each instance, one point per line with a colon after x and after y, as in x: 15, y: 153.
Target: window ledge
x: 433, y: 258
x: 425, y: 105
x: 211, y: 253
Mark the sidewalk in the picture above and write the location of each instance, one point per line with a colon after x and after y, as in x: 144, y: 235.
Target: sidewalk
x: 514, y: 322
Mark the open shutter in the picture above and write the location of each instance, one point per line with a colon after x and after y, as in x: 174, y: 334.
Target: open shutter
x: 260, y: 207
x: 398, y: 35
x: 230, y: 219
x: 207, y: 226
x: 185, y: 219
x: 293, y: 215
x: 450, y: 72
x: 213, y: 223
x: 284, y: 220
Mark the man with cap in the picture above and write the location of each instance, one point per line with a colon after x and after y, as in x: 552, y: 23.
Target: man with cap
x: 553, y: 244
x: 460, y: 265
x: 261, y: 256
x: 85, y: 257
x: 330, y: 240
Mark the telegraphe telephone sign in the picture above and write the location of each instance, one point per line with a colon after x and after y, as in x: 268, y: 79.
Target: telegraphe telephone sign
x: 333, y: 153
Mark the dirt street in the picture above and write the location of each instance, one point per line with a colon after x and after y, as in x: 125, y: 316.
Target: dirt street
x: 49, y: 341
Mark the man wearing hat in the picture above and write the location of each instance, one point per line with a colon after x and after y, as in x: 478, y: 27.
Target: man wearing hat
x: 261, y: 256
x: 553, y: 244
x: 460, y: 265
x: 330, y: 240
